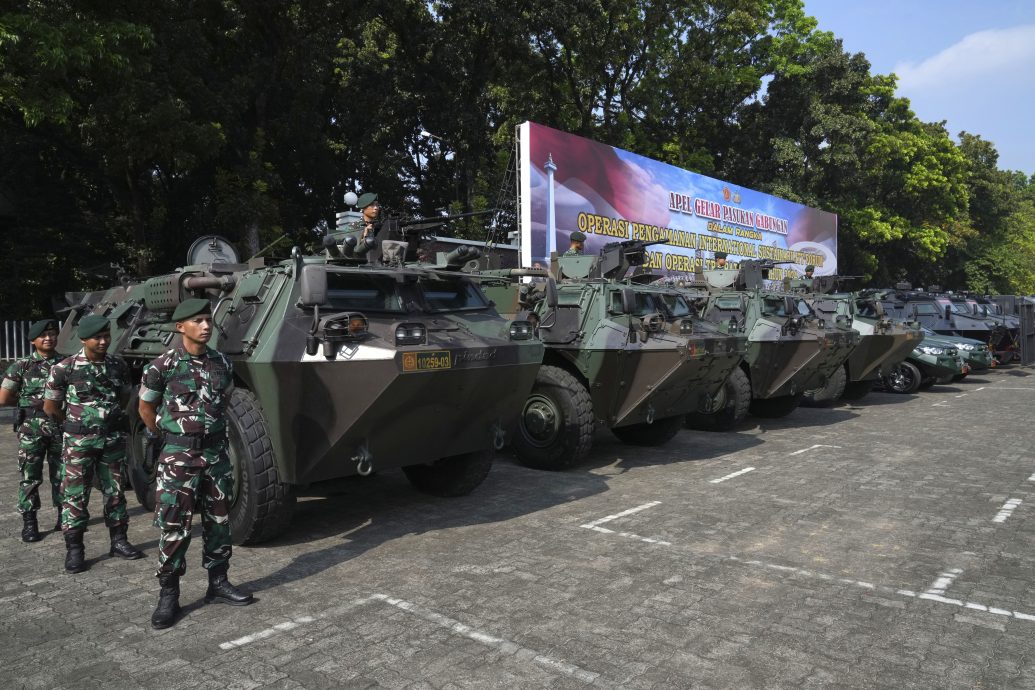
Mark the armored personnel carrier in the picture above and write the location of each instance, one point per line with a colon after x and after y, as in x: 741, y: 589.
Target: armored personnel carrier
x: 938, y: 312
x: 883, y: 343
x: 621, y: 353
x: 343, y: 365
x: 790, y: 348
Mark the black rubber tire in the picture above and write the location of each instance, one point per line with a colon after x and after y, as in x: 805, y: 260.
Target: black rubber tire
x: 457, y: 475
x: 828, y: 394
x: 660, y: 432
x: 905, y: 379
x: 262, y: 505
x: 857, y: 390
x: 959, y: 377
x: 565, y: 440
x: 143, y: 482
x: 736, y: 400
x: 774, y: 408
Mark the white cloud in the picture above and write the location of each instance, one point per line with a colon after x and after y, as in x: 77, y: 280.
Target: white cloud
x: 989, y: 54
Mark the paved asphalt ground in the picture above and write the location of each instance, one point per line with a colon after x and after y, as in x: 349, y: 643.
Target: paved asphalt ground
x: 889, y: 543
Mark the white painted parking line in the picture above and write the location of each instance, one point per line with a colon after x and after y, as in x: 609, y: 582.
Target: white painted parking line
x: 268, y: 632
x: 505, y: 646
x: 1007, y: 509
x: 979, y: 389
x: 595, y: 525
x: 813, y: 447
x: 1031, y: 478
x: 731, y: 476
x: 937, y: 598
x: 943, y: 582
x: 1012, y: 388
x: 609, y: 518
x: 943, y: 403
x: 962, y: 396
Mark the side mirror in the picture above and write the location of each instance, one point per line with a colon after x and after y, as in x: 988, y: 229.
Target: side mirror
x: 788, y: 306
x: 628, y: 301
x: 551, y: 292
x: 878, y: 309
x: 948, y: 312
x: 313, y: 286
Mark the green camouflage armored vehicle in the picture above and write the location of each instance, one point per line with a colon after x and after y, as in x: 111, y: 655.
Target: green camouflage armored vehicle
x: 790, y: 348
x: 342, y: 366
x: 883, y: 343
x: 629, y: 356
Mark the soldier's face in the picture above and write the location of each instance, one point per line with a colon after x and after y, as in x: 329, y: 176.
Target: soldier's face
x: 371, y: 212
x: 97, y: 345
x: 197, y: 329
x: 46, y: 342
x: 577, y: 245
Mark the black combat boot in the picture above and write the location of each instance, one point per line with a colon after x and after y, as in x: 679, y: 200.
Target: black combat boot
x: 220, y: 589
x: 75, y: 557
x: 168, y: 602
x: 30, y: 528
x: 120, y: 546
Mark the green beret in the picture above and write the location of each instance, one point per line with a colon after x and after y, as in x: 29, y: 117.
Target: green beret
x: 91, y: 325
x: 809, y: 267
x: 720, y: 255
x: 36, y: 329
x: 365, y: 200
x: 577, y: 236
x: 191, y: 307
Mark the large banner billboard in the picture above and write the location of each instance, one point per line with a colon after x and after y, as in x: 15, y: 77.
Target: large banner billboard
x: 568, y: 183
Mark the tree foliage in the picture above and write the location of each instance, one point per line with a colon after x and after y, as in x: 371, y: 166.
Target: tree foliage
x: 129, y: 129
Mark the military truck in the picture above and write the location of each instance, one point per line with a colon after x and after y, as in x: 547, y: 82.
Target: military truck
x: 883, y: 342
x: 621, y: 353
x: 790, y: 348
x: 343, y: 365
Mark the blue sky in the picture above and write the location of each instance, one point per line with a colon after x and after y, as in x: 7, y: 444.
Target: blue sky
x: 970, y: 63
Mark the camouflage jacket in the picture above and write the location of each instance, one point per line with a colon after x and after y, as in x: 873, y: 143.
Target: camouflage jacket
x: 193, y: 391
x: 572, y: 252
x: 92, y: 392
x: 28, y: 376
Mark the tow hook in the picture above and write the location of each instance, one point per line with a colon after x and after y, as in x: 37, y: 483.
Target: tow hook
x: 650, y: 414
x: 364, y: 461
x: 499, y: 436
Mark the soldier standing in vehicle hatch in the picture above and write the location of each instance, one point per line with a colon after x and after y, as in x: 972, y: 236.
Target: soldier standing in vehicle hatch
x: 183, y: 399
x: 578, y: 243
x: 85, y: 395
x: 39, y: 438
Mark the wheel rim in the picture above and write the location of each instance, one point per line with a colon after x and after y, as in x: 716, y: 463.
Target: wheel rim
x: 540, y: 420
x: 716, y: 402
x: 902, y: 379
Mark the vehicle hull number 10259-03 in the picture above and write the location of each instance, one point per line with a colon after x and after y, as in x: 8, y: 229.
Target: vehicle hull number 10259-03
x: 426, y: 361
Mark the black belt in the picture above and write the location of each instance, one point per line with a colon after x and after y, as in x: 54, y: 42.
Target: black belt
x: 195, y: 441
x: 33, y: 413
x: 109, y: 425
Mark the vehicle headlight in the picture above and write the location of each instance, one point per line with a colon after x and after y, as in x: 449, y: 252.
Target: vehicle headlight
x: 686, y: 327
x: 931, y: 350
x: 966, y: 347
x: 521, y: 330
x: 410, y: 334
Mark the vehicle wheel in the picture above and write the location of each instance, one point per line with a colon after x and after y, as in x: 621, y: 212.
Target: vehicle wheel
x: 261, y: 505
x: 905, y: 378
x: 773, y: 408
x: 555, y: 430
x: 828, y: 394
x: 857, y: 390
x: 730, y: 405
x: 143, y: 480
x: 457, y: 475
x: 658, y: 433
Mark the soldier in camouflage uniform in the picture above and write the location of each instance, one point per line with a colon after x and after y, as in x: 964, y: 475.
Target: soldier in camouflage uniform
x: 192, y: 384
x: 39, y: 437
x: 577, y: 244
x: 91, y: 387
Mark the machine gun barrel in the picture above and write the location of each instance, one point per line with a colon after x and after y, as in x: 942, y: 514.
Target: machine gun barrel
x: 414, y: 224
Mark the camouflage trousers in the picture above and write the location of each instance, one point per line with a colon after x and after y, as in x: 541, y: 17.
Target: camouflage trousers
x: 83, y: 455
x: 184, y: 487
x: 38, y: 441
